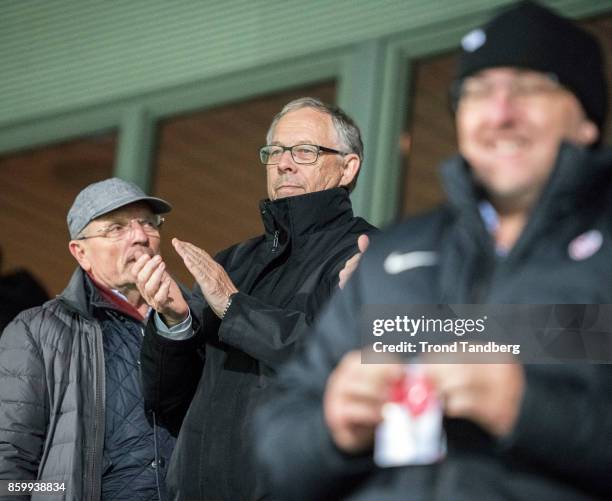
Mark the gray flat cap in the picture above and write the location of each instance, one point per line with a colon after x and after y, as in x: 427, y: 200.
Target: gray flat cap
x: 105, y: 196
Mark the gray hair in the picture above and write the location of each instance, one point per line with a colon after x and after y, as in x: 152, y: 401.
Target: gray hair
x: 347, y: 132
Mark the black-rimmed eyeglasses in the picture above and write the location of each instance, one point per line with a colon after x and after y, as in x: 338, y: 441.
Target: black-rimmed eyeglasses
x: 301, y: 153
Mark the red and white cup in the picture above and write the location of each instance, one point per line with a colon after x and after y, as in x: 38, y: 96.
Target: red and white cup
x: 411, y: 432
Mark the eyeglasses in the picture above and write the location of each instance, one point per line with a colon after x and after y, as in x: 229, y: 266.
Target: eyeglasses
x: 121, y: 228
x: 301, y: 153
x: 476, y: 89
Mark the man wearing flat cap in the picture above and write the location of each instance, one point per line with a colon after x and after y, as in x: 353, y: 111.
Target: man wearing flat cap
x: 71, y: 410
x: 529, y: 221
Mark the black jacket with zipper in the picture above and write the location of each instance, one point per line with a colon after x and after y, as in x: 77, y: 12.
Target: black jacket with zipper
x: 559, y: 448
x: 284, y: 278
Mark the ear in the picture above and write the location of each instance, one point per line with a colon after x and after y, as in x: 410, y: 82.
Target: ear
x: 350, y: 168
x: 588, y: 132
x: 79, y: 252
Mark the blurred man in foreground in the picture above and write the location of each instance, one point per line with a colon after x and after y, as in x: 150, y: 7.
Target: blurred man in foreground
x: 528, y: 221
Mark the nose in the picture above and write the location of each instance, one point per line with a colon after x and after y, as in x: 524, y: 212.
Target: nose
x: 286, y: 162
x: 501, y: 107
x: 137, y: 232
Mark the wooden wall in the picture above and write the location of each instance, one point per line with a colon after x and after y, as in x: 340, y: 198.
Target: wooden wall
x: 37, y: 189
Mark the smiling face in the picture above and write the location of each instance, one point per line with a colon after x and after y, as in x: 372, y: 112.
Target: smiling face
x: 510, y: 127
x: 308, y: 126
x: 109, y: 260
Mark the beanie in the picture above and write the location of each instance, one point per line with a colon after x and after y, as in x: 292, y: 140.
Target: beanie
x: 530, y: 36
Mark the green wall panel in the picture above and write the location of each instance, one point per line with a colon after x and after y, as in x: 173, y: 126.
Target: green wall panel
x: 74, y: 67
x: 57, y: 55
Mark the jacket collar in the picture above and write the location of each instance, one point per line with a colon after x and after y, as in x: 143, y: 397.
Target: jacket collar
x: 579, y: 183
x: 577, y: 175
x: 76, y: 294
x: 103, y: 297
x: 307, y: 214
x: 82, y: 297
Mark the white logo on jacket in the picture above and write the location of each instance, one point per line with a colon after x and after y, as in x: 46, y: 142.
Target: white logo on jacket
x: 585, y: 245
x: 397, y: 262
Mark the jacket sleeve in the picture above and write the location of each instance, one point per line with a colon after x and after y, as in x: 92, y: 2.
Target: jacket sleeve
x: 270, y: 333
x: 565, y: 423
x: 24, y: 406
x: 266, y: 332
x: 292, y: 440
x: 171, y: 371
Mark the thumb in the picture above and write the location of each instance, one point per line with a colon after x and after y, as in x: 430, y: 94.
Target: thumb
x: 363, y: 243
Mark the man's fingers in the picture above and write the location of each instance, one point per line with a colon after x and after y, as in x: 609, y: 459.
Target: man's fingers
x: 351, y: 264
x: 347, y: 271
x: 368, y: 382
x: 188, y: 256
x: 161, y: 296
x: 363, y: 242
x: 173, y: 288
x: 188, y: 249
x: 154, y: 281
x: 148, y: 268
x: 488, y: 394
x: 199, y: 263
x: 195, y: 268
x: 140, y: 263
x: 144, y: 275
x: 355, y: 413
x: 459, y: 404
x: 364, y: 386
x: 184, y: 249
x: 354, y: 397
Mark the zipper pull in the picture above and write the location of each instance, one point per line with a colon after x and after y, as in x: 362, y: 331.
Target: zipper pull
x: 275, y: 242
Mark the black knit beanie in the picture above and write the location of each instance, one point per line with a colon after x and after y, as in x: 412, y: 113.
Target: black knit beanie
x: 527, y: 35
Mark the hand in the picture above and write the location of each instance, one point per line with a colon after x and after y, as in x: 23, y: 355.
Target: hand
x: 351, y: 265
x: 159, y: 290
x: 353, y: 400
x: 215, y: 283
x: 487, y: 394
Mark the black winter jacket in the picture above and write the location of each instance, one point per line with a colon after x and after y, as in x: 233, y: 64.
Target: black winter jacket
x: 53, y: 396
x: 559, y: 448
x: 284, y: 278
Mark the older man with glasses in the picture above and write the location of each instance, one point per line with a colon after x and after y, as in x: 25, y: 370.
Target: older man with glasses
x: 259, y: 299
x: 71, y: 409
